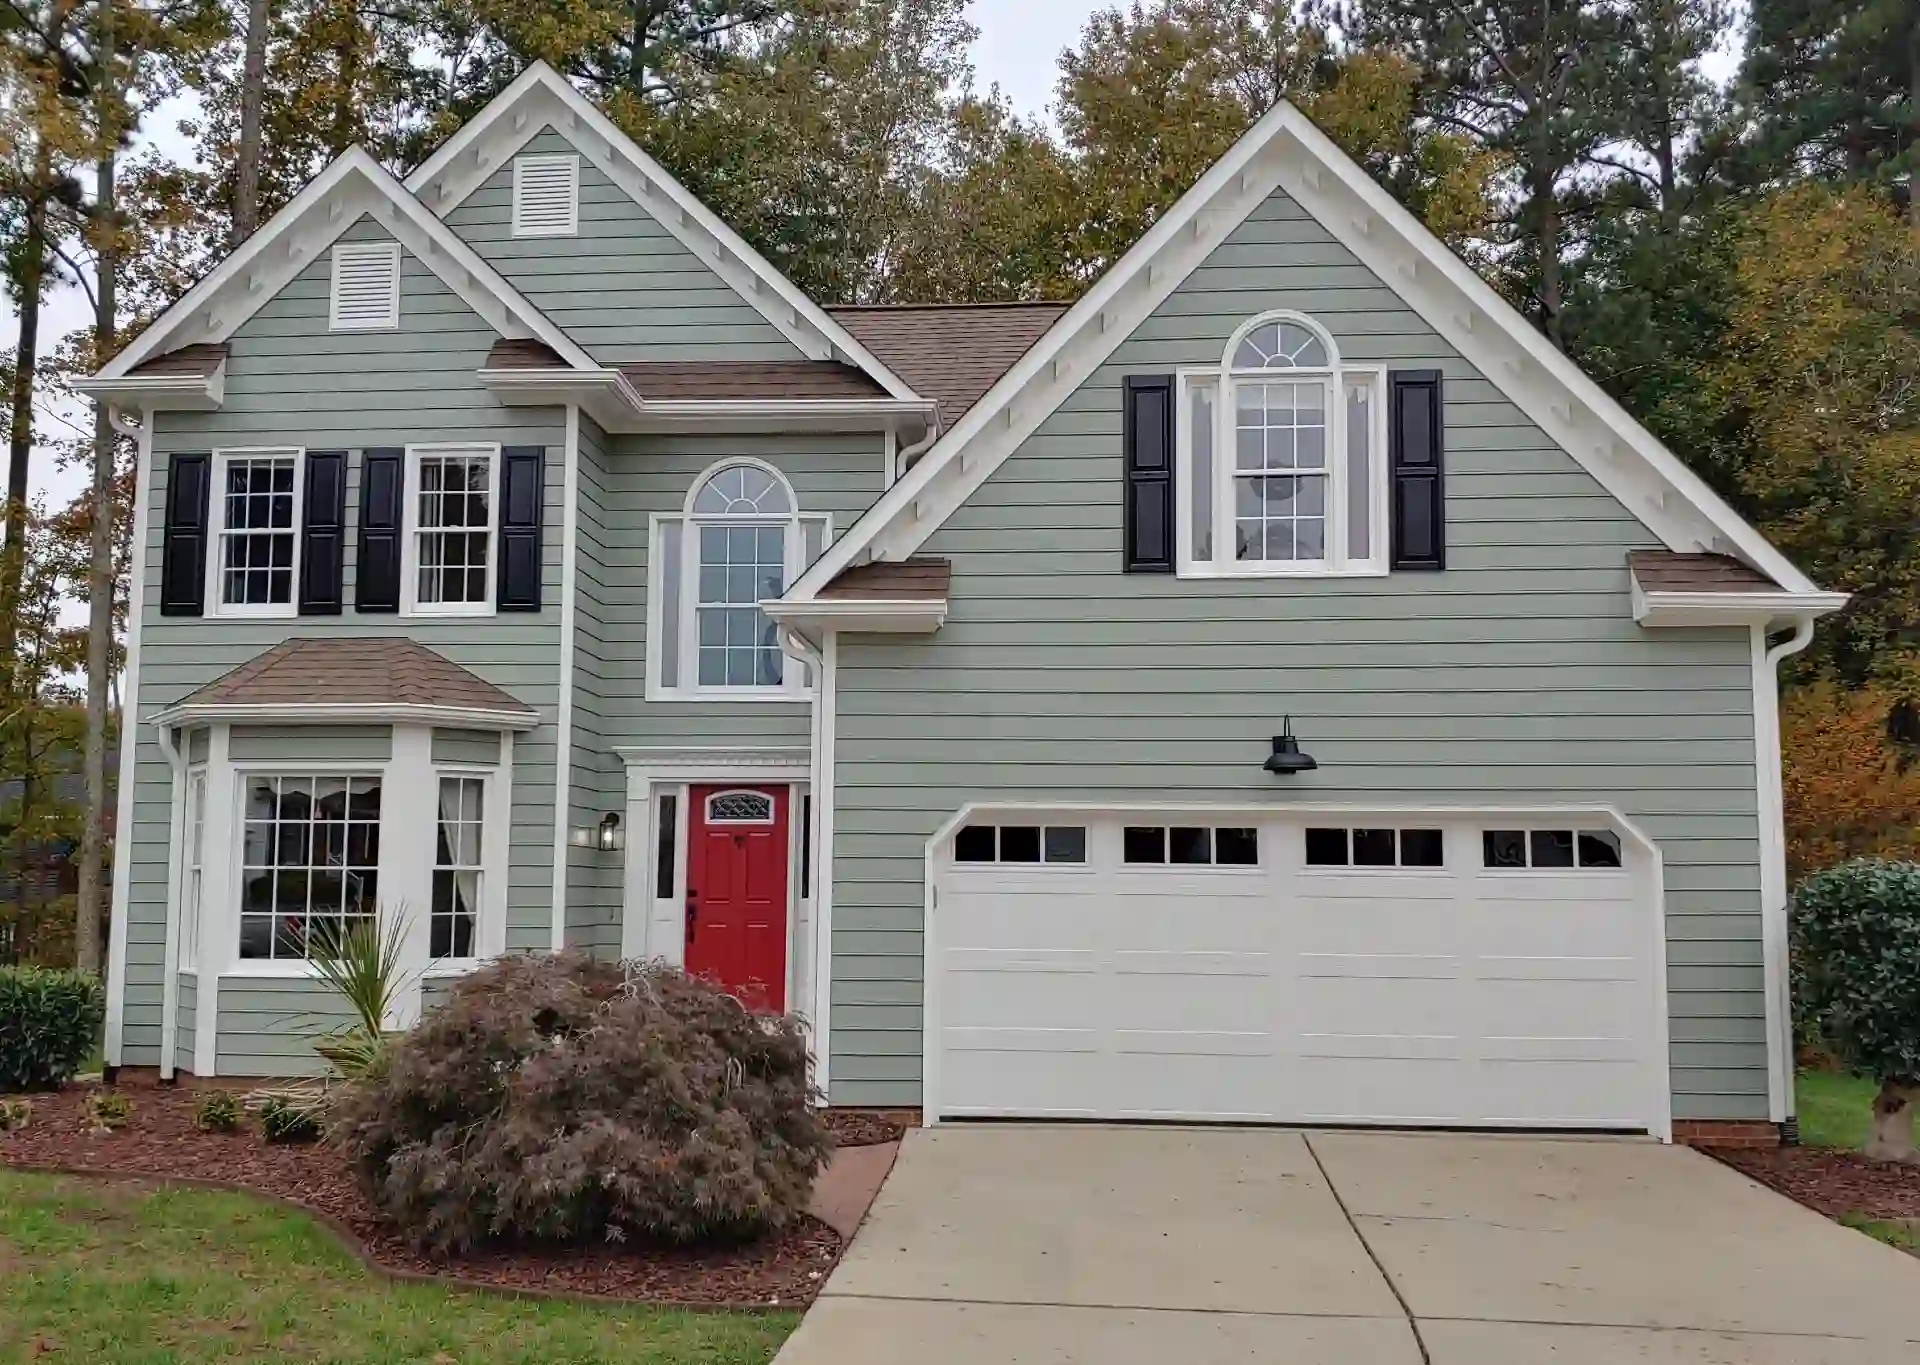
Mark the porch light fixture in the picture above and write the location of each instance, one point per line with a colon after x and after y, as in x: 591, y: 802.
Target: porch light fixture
x: 1286, y: 758
x: 608, y: 833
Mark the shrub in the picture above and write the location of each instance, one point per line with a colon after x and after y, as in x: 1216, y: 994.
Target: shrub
x: 364, y: 968
x: 1856, y: 935
x: 561, y: 1099
x: 217, y: 1112
x: 283, y: 1120
x: 49, y: 1021
x: 15, y: 1114
x: 107, y: 1111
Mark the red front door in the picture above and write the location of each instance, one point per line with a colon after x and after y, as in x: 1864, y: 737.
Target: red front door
x: 737, y: 892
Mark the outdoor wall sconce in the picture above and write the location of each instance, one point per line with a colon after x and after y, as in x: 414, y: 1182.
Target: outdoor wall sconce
x: 1286, y: 758
x: 607, y: 838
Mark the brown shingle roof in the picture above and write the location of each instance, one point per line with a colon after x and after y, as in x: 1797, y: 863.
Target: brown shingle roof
x: 950, y: 353
x: 381, y: 671
x: 200, y: 359
x: 1670, y: 571
x: 919, y: 579
x: 523, y: 353
x: 723, y: 380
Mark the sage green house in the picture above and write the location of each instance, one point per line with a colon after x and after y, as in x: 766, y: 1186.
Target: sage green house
x: 1276, y: 687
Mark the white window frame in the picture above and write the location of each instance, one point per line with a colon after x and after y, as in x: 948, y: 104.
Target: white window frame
x: 795, y: 684
x: 489, y: 930
x: 217, y: 533
x: 571, y: 228
x: 193, y: 867
x: 410, y: 604
x: 387, y: 322
x: 1337, y: 377
x: 233, y: 919
x: 1579, y: 869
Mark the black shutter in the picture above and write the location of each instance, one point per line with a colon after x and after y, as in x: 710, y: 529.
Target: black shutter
x: 522, y: 500
x: 383, y: 483
x: 1416, y: 447
x: 183, y: 553
x: 1147, y: 433
x: 323, y: 536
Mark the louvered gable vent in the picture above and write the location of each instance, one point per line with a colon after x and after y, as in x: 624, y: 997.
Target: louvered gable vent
x: 546, y: 196
x: 366, y: 287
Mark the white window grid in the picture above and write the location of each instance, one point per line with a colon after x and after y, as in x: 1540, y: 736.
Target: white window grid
x: 309, y: 860
x: 1178, y: 845
x: 452, y: 517
x: 459, y: 867
x: 255, y: 512
x: 1053, y: 845
x: 739, y: 808
x: 1395, y: 837
x: 1583, y: 856
x: 193, y: 870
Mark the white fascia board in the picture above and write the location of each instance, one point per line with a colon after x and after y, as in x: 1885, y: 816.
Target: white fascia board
x: 900, y: 616
x: 1285, y: 151
x: 610, y: 397
x: 354, y: 185
x: 1659, y: 608
x: 451, y: 717
x: 605, y: 395
x: 159, y: 392
x: 541, y: 97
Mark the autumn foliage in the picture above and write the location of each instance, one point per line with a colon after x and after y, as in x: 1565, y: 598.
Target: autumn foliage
x: 1850, y: 790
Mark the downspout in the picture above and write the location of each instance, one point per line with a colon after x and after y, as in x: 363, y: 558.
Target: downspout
x: 1773, y: 863
x: 904, y: 460
x: 170, y: 963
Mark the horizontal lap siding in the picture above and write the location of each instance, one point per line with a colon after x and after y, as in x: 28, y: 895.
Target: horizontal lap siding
x: 290, y: 381
x: 593, y: 877
x: 1516, y: 677
x: 310, y: 743
x: 268, y: 1025
x: 624, y: 288
x: 189, y: 994
x: 481, y: 747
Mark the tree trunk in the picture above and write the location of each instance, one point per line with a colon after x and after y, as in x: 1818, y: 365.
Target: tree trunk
x: 13, y: 557
x: 246, y: 180
x: 1913, y: 118
x: 637, y: 65
x: 88, y: 908
x: 1892, y: 1138
x: 1547, y: 208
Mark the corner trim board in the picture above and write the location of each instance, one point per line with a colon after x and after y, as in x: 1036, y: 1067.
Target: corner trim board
x: 129, y: 749
x: 563, y: 740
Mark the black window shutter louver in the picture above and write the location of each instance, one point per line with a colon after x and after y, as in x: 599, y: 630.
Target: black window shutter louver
x: 376, y: 586
x: 522, y: 501
x: 324, y: 533
x: 1147, y: 434
x: 1416, y: 448
x: 183, y: 554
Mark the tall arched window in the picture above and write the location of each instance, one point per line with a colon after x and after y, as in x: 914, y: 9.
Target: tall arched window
x: 741, y: 538
x: 1282, y: 464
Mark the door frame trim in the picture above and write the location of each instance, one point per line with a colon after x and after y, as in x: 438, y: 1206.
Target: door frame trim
x: 1653, y: 904
x: 649, y: 770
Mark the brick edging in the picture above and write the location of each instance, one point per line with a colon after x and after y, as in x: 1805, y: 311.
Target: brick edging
x: 1747, y: 1134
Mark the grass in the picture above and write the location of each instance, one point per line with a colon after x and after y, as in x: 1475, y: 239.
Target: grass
x: 123, y: 1275
x: 1901, y: 1233
x: 1836, y: 1110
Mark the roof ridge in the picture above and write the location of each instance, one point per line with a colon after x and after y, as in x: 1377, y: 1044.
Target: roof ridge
x: 983, y: 305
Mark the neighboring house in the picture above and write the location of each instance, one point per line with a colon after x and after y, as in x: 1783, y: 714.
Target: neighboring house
x: 523, y: 552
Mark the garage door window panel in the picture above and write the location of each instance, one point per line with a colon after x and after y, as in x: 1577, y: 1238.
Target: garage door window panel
x: 1028, y: 845
x: 1375, y: 849
x: 1190, y: 846
x: 1551, y: 850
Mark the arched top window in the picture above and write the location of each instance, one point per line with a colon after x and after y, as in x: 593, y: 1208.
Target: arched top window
x: 742, y: 488
x: 740, y: 540
x: 1282, y: 457
x: 739, y: 808
x: 1281, y: 342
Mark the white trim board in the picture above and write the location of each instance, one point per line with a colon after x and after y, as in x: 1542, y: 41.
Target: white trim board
x: 540, y: 98
x: 120, y: 903
x: 1285, y: 151
x: 352, y: 187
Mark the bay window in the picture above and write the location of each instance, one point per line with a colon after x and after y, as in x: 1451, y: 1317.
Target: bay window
x: 1282, y: 458
x: 459, y: 867
x: 309, y: 861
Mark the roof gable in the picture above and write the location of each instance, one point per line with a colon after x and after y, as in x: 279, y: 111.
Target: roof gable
x: 951, y: 353
x: 541, y: 98
x: 1285, y: 151
x: 355, y: 186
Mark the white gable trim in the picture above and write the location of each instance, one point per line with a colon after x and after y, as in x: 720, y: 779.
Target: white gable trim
x: 540, y: 98
x: 1285, y: 151
x: 355, y: 185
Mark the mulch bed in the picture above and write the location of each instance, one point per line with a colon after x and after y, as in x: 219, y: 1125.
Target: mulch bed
x: 1833, y: 1180
x: 861, y: 1128
x: 160, y: 1140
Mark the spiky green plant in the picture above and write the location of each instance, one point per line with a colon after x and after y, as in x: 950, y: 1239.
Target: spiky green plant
x: 363, y: 967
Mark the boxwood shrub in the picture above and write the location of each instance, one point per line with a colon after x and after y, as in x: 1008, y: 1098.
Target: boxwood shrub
x: 49, y: 1022
x: 563, y: 1099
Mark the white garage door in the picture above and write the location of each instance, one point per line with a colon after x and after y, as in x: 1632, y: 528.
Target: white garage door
x: 1472, y: 971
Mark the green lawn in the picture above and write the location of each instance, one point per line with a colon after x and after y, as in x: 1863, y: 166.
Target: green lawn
x: 119, y: 1275
x: 1836, y: 1110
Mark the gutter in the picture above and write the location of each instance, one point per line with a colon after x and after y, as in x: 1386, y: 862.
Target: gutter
x: 1775, y: 920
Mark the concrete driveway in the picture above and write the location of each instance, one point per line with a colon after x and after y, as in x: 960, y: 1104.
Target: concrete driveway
x: 1062, y: 1245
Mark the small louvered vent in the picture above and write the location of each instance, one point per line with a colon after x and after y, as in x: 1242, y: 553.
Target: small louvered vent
x: 366, y: 287
x: 546, y: 196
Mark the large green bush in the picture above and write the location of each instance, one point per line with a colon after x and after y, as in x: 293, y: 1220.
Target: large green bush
x: 49, y: 1022
x: 1856, y: 941
x: 560, y: 1099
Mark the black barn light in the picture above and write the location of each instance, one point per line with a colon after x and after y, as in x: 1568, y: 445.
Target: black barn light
x: 1286, y: 758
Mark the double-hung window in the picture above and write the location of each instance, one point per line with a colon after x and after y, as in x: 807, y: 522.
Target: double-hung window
x: 192, y: 873
x: 452, y: 494
x: 309, y: 861
x: 255, y: 532
x: 1282, y: 458
x: 459, y: 867
x: 740, y: 541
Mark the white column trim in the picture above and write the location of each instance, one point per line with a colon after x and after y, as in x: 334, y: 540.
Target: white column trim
x: 563, y: 739
x: 120, y: 903
x: 1771, y: 808
x: 406, y: 860
x: 170, y: 942
x: 219, y: 942
x: 825, y: 714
